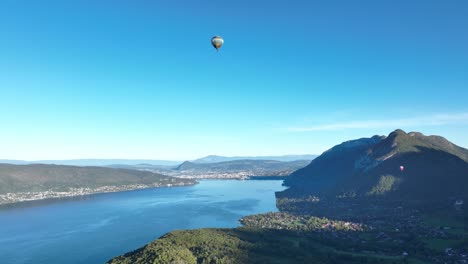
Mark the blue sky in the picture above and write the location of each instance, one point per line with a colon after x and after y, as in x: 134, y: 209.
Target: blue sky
x: 139, y: 79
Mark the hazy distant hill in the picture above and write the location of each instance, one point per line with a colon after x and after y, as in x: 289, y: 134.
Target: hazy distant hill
x: 226, y: 169
x: 17, y: 162
x: 241, y: 167
x: 434, y: 168
x: 148, y: 163
x: 285, y: 158
x: 96, y: 162
x: 144, y: 166
x: 40, y: 177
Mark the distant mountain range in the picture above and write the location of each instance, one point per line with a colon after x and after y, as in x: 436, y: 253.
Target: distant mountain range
x: 239, y: 168
x: 150, y: 162
x: 16, y: 162
x: 284, y: 158
x: 434, y: 168
x: 95, y: 162
x: 235, y: 169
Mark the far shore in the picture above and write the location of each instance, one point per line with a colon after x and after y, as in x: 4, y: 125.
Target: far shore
x: 10, y: 199
x: 24, y: 197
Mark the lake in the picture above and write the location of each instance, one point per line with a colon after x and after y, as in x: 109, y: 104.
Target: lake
x: 95, y: 228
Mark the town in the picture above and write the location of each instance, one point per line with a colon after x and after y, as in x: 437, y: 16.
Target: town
x: 406, y: 232
x: 10, y: 198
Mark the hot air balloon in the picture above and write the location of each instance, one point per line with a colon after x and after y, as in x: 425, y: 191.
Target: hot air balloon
x: 217, y: 42
x: 402, y: 168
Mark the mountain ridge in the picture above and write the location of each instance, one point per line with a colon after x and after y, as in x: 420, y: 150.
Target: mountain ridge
x: 370, y: 166
x: 45, y: 177
x: 284, y: 158
x: 153, y: 162
x: 239, y: 168
x: 93, y: 162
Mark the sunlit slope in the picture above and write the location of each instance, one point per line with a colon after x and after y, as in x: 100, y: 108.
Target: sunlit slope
x: 433, y: 168
x: 245, y: 245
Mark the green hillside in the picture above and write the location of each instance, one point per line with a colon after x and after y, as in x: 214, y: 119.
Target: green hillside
x: 434, y: 168
x: 247, y: 245
x: 255, y: 167
x: 41, y: 177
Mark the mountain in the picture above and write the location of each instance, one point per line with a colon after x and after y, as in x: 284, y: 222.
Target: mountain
x: 42, y: 177
x: 433, y: 168
x: 352, y: 204
x: 131, y: 163
x: 17, y: 162
x: 240, y: 168
x: 144, y: 166
x: 285, y: 158
x: 108, y: 162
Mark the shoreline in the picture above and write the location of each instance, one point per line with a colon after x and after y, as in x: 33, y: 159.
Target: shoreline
x: 11, y: 199
x: 237, y: 178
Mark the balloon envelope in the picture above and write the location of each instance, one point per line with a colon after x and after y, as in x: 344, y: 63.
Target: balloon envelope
x: 217, y: 42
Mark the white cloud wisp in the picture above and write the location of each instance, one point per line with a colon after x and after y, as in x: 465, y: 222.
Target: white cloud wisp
x: 433, y: 120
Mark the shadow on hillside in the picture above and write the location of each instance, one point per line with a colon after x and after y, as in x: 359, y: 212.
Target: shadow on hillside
x: 432, y: 179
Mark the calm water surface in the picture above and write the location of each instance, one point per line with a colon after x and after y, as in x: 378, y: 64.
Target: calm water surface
x: 98, y: 227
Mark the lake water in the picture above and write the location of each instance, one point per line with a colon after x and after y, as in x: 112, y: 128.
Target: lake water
x: 95, y: 228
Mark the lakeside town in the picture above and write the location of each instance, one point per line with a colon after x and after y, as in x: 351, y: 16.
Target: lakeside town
x: 10, y: 198
x: 244, y: 175
x: 240, y: 174
x: 17, y: 197
x: 436, y: 232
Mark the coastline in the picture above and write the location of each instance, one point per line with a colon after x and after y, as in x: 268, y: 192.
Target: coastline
x: 22, y: 197
x: 8, y: 199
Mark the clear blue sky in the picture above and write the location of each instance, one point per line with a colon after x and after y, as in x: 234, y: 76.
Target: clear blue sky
x: 139, y: 78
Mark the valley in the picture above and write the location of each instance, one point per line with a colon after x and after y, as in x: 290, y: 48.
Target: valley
x: 23, y: 182
x: 342, y: 208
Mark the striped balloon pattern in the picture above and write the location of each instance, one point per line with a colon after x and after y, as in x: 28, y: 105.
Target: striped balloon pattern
x: 217, y: 42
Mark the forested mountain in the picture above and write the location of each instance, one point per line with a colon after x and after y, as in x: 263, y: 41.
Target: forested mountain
x: 41, y: 177
x: 431, y: 167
